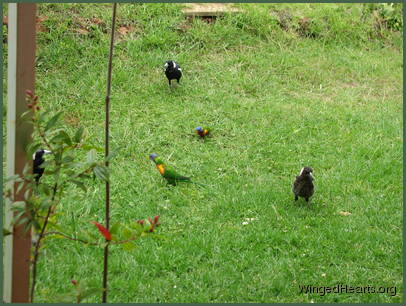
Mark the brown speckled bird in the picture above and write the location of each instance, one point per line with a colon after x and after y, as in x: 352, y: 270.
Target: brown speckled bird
x: 303, y: 185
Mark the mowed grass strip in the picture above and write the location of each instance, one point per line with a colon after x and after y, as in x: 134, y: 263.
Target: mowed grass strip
x: 277, y: 98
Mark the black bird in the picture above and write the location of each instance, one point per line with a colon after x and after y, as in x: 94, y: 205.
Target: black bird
x: 38, y: 159
x: 303, y: 185
x: 172, y: 71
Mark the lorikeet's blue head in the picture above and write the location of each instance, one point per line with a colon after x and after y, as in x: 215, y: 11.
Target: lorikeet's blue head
x: 157, y: 160
x: 153, y: 156
x: 199, y: 129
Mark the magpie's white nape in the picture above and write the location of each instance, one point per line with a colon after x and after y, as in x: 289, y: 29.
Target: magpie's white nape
x: 172, y: 71
x: 39, y: 152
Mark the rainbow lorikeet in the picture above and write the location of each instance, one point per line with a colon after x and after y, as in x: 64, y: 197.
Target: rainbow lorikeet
x: 168, y: 172
x: 303, y: 185
x: 202, y: 132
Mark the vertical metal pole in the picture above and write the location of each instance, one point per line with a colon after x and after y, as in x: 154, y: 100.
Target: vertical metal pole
x: 21, y: 76
x: 106, y: 150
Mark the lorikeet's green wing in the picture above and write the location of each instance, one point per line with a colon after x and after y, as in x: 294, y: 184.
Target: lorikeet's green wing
x: 172, y: 175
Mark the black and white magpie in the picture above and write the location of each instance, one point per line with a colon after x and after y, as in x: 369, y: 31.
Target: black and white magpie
x: 172, y: 71
x: 38, y: 159
x: 303, y: 185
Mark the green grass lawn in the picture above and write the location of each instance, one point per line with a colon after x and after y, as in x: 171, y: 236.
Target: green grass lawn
x: 325, y: 93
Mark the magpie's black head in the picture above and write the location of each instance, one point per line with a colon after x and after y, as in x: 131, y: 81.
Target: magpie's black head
x: 306, y: 171
x: 40, y: 153
x: 169, y: 64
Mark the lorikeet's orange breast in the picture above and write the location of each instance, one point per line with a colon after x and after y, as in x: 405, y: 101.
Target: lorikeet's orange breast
x: 203, y: 133
x: 161, y: 169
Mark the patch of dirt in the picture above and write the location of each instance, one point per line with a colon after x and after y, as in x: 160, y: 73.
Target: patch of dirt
x: 84, y: 26
x: 284, y: 19
x: 72, y: 120
x: 124, y: 29
x: 39, y: 24
x: 350, y: 85
x: 184, y: 26
x: 305, y: 28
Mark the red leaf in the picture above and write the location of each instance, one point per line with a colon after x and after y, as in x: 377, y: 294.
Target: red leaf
x: 29, y: 93
x: 104, y: 231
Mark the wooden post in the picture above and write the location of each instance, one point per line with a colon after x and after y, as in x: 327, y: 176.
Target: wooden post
x: 21, y: 76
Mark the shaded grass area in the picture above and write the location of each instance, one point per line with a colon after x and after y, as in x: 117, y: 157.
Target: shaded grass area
x: 276, y: 99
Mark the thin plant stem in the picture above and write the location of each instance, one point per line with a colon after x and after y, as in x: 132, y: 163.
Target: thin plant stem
x: 107, y: 143
x: 38, y: 244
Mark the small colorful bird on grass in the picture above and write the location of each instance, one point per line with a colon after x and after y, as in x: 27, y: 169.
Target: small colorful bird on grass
x: 202, y: 132
x: 303, y: 185
x: 168, y: 172
x: 38, y: 159
x: 172, y: 71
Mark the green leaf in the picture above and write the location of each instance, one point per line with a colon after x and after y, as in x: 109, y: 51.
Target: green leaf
x: 44, y: 189
x: 46, y: 204
x: 27, y: 226
x: 67, y: 159
x: 19, y: 187
x: 17, y: 216
x: 11, y: 178
x: 159, y: 236
x: 91, y: 156
x: 111, y: 156
x: 90, y: 147
x: 128, y: 246
x: 55, y: 226
x: 114, y: 228
x: 42, y: 116
x: 127, y: 233
x: 21, y: 221
x: 54, y: 236
x: 27, y: 194
x: 79, y: 184
x: 32, y: 148
x: 101, y: 172
x: 27, y: 169
x: 78, y: 135
x: 26, y: 113
x: 6, y: 232
x: 36, y: 225
x: 52, y: 121
x: 18, y: 205
x: 68, y: 298
x: 62, y: 136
